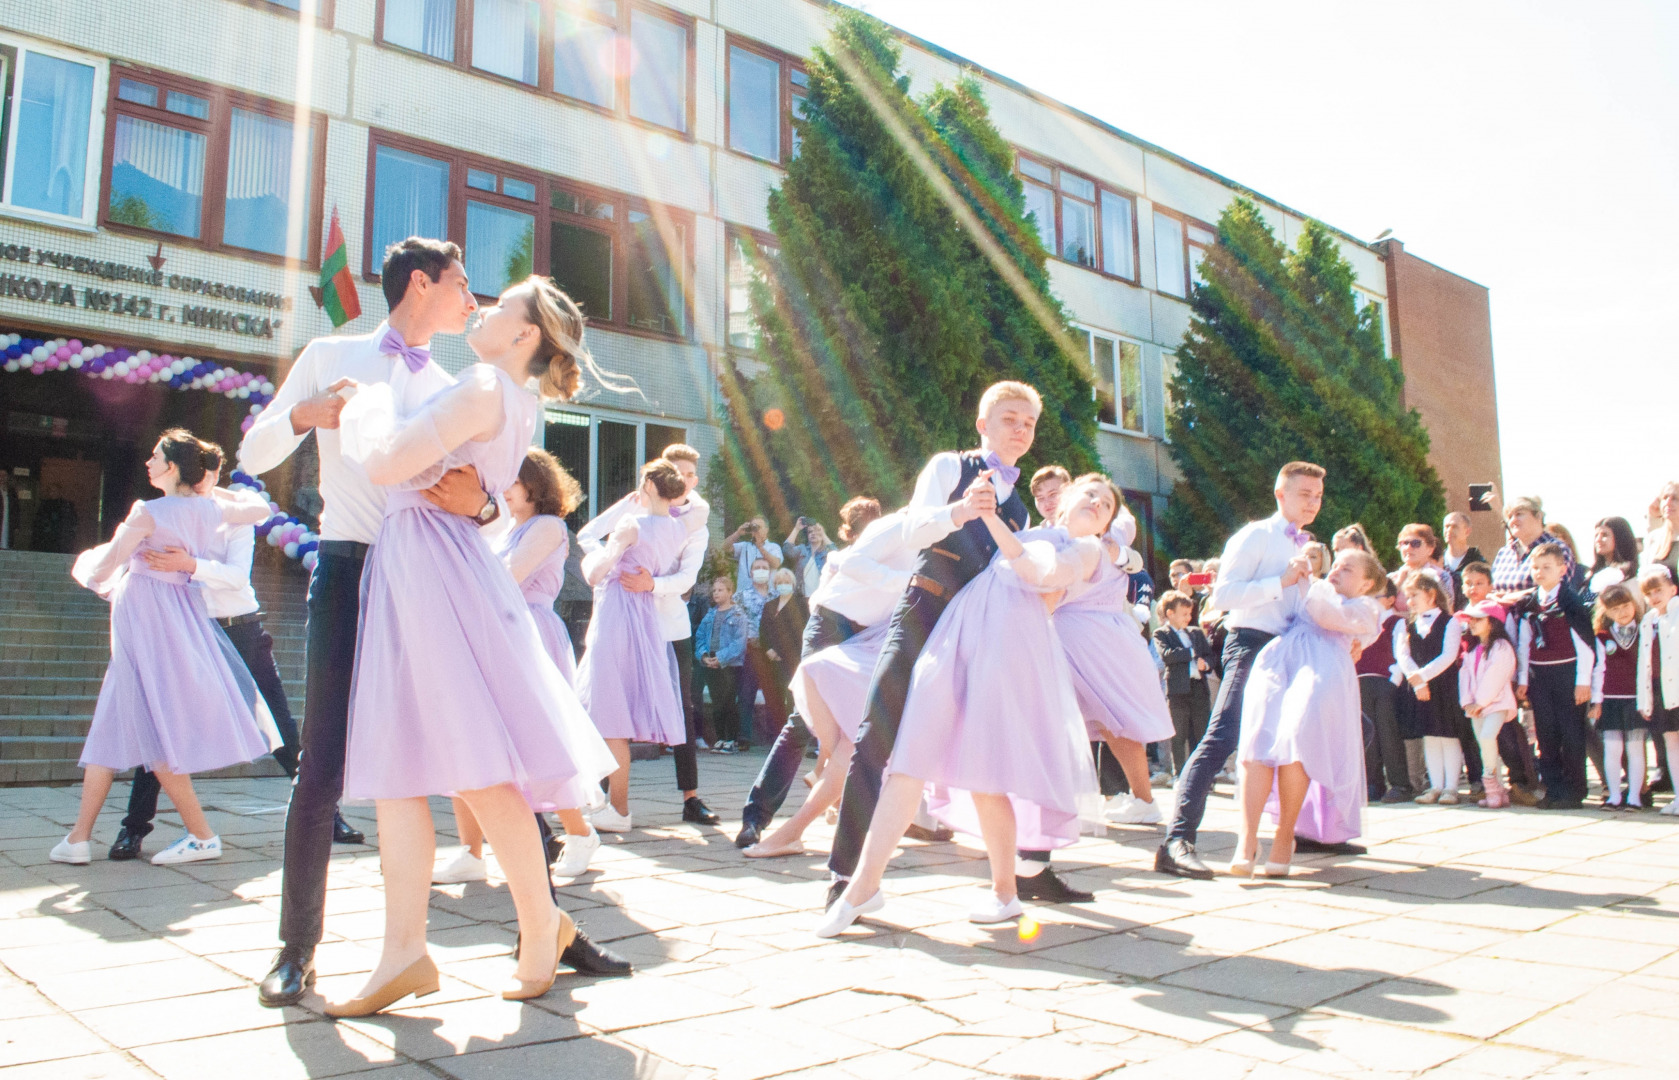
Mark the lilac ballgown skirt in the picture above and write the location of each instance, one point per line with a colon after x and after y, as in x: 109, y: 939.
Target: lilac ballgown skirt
x: 1302, y: 705
x: 628, y: 677
x: 841, y: 675
x: 1114, y: 677
x: 541, y: 589
x: 991, y: 706
x: 176, y: 693
x: 454, y: 689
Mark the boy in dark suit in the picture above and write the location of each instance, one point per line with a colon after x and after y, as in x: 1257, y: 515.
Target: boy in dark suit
x: 1188, y: 656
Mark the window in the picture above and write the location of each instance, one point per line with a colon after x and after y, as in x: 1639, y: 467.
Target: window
x: 625, y: 262
x: 1179, y: 246
x: 202, y: 163
x: 1079, y: 221
x: 749, y: 257
x: 47, y: 130
x: 1362, y: 300
x: 626, y: 58
x: 1117, y: 367
x: 766, y: 88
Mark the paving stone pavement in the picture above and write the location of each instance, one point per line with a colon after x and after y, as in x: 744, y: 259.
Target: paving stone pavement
x: 1467, y: 944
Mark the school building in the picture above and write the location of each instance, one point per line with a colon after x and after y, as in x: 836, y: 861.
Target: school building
x: 170, y: 170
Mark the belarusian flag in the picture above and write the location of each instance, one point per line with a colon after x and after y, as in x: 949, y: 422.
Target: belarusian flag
x: 337, y: 292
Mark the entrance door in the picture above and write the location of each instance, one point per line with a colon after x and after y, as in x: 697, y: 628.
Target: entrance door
x: 67, y: 515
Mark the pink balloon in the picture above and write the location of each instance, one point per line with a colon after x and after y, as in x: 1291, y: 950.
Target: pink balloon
x: 245, y: 424
x: 63, y: 352
x: 75, y: 345
x: 38, y: 369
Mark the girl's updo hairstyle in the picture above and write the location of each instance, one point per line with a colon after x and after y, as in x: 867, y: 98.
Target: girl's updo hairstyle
x: 549, y: 487
x: 559, y: 357
x: 190, y: 454
x: 665, y: 479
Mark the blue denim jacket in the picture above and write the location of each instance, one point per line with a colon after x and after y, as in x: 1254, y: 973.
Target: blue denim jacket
x: 730, y: 628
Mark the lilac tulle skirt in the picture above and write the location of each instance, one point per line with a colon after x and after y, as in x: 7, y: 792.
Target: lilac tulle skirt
x: 176, y: 692
x: 840, y: 675
x: 628, y: 678
x: 1114, y: 677
x: 556, y: 639
x: 1302, y: 705
x: 454, y: 687
x: 991, y: 709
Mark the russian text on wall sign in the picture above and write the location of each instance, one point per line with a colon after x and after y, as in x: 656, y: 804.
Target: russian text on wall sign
x: 115, y: 271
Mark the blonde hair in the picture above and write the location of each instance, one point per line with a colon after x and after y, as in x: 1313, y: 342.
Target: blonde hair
x: 1099, y: 481
x: 1049, y: 472
x: 783, y: 572
x: 1008, y: 390
x: 561, y: 357
x: 1371, y: 568
x: 680, y: 452
x: 1320, y: 553
x: 1299, y: 468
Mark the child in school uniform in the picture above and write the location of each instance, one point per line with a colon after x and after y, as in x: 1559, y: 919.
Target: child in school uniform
x: 1554, y: 674
x: 1515, y: 748
x: 1425, y: 650
x: 1301, y: 741
x: 1188, y: 659
x: 1614, y: 704
x: 1485, y: 675
x: 1658, y: 663
x: 1385, y: 762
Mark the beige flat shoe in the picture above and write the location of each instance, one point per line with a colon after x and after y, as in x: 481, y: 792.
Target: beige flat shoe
x: 759, y: 851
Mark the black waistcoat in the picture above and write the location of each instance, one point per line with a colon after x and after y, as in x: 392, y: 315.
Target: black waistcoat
x: 959, y: 557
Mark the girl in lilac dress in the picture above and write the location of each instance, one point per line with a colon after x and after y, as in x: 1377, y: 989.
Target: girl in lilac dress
x: 454, y: 691
x: 176, y: 697
x: 535, y: 552
x: 991, y: 727
x: 1114, y: 677
x: 1300, y: 719
x: 628, y: 677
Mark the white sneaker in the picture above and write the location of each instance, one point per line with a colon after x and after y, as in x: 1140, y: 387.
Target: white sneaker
x: 992, y: 910
x: 607, y: 819
x: 81, y: 854
x: 574, y: 859
x: 842, y: 914
x: 189, y: 848
x: 1671, y: 810
x: 465, y: 866
x: 1133, y: 811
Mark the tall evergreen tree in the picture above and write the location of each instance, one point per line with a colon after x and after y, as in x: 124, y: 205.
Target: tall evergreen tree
x: 1278, y: 365
x: 907, y: 281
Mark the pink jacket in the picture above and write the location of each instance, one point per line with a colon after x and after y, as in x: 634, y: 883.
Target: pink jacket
x: 1485, y: 676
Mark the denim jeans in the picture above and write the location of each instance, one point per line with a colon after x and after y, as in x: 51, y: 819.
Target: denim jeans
x: 1223, y: 732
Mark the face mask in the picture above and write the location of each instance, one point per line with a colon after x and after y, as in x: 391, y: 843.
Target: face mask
x: 760, y: 576
x: 784, y: 590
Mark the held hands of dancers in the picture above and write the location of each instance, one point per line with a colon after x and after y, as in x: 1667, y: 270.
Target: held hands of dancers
x: 599, y: 563
x: 978, y: 501
x: 1298, y: 567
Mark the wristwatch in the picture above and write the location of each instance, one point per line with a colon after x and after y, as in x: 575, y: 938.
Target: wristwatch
x: 489, y: 513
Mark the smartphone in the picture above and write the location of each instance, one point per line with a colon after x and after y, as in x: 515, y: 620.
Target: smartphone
x: 1198, y: 580
x: 1478, y: 496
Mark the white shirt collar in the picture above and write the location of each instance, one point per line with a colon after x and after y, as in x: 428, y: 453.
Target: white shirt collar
x: 1546, y: 596
x: 1425, y: 620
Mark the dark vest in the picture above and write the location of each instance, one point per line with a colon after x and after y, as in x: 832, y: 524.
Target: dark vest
x: 1425, y: 650
x: 959, y: 557
x: 1620, y: 668
x: 1377, y: 660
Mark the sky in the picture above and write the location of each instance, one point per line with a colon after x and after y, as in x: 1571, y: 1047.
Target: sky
x: 1529, y: 145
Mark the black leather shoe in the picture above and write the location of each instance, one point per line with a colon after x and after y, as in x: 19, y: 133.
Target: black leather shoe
x: 1393, y: 795
x: 342, y: 833
x: 587, y: 958
x: 836, y: 889
x: 693, y: 810
x: 286, y: 982
x: 1046, y: 888
x: 1177, y: 857
x: 1318, y: 847
x: 127, y: 846
x: 936, y: 835
x: 747, y: 836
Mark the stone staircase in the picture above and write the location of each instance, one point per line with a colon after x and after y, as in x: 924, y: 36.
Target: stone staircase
x: 54, y: 645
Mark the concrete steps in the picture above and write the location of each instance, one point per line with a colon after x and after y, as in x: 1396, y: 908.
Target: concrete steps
x: 55, y: 643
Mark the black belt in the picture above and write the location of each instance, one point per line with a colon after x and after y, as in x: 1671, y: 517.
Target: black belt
x: 240, y: 620
x: 344, y: 549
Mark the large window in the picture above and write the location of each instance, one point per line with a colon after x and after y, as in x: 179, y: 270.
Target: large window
x: 200, y: 163
x: 1179, y: 246
x: 48, y: 134
x: 625, y: 261
x: 750, y: 256
x: 1117, y: 370
x: 632, y: 59
x: 605, y: 453
x: 765, y: 90
x: 1078, y: 220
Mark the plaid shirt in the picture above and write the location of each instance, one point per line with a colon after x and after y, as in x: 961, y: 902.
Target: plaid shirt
x: 1512, y: 567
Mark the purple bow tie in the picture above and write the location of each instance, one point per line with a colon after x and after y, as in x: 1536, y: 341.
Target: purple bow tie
x: 676, y: 511
x: 415, y: 356
x: 1293, y: 533
x: 1009, y: 473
